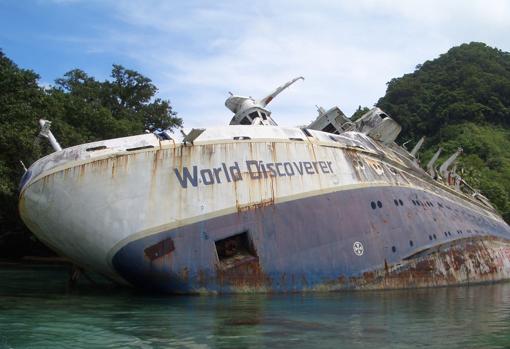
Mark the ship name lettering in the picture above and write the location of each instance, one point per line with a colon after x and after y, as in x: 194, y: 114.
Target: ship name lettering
x: 256, y: 169
x: 208, y: 176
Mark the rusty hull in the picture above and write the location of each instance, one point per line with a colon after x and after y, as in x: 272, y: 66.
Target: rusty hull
x: 125, y: 209
x: 467, y: 261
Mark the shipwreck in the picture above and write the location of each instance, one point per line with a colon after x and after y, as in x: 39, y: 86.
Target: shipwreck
x: 254, y: 207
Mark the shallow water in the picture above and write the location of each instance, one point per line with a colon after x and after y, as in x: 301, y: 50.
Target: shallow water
x: 38, y: 311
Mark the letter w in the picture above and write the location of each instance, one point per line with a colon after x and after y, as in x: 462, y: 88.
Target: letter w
x: 187, y: 177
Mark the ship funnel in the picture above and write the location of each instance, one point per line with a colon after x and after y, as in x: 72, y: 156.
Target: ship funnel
x: 417, y: 146
x: 430, y: 166
x: 378, y: 125
x: 46, y: 133
x: 249, y: 111
x: 443, y: 170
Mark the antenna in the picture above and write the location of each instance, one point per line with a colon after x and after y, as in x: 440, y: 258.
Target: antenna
x: 23, y: 165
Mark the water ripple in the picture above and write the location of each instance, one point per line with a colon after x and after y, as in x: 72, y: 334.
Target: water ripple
x: 38, y: 311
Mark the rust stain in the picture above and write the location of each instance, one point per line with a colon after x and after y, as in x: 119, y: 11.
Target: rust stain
x: 469, y: 261
x: 257, y: 205
x: 160, y: 249
x: 247, y: 275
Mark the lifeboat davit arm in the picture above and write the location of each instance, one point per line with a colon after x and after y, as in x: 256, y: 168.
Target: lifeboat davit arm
x: 443, y: 170
x: 430, y: 166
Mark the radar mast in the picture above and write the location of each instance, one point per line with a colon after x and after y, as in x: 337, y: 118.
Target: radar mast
x: 248, y: 111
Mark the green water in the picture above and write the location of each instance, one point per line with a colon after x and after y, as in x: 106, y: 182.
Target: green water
x: 38, y: 311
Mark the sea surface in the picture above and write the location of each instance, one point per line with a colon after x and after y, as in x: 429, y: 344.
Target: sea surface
x: 39, y: 310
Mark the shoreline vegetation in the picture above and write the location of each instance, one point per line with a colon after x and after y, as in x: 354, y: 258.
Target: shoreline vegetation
x: 460, y: 99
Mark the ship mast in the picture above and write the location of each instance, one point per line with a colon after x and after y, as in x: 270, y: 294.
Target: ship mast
x: 248, y: 111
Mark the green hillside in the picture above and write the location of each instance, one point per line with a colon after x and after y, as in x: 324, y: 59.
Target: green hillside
x: 462, y: 98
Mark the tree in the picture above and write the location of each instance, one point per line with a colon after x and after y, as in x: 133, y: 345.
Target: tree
x: 359, y: 113
x: 120, y: 107
x: 462, y: 98
x: 21, y: 102
x: 81, y: 109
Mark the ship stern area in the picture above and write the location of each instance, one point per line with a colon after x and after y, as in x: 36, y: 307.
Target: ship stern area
x: 366, y: 238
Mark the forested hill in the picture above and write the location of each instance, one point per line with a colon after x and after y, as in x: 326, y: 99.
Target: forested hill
x: 460, y: 99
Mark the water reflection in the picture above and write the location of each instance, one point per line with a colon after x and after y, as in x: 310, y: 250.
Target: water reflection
x: 36, y: 311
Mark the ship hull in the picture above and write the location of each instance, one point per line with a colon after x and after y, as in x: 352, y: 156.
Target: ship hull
x: 310, y: 244
x: 259, y: 215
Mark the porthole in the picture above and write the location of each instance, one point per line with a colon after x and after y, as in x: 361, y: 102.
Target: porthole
x: 430, y: 237
x: 445, y: 234
x: 411, y: 243
x: 414, y: 202
x: 450, y: 234
x: 373, y: 205
x: 396, y: 202
x: 401, y: 202
x: 394, y: 249
x: 379, y: 204
x: 435, y: 237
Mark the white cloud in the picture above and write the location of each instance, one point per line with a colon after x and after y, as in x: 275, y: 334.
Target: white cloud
x: 346, y: 50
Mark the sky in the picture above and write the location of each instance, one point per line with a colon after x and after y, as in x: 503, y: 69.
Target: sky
x: 195, y: 52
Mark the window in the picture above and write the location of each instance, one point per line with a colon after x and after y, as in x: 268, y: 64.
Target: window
x: 245, y: 121
x: 140, y: 148
x: 101, y: 147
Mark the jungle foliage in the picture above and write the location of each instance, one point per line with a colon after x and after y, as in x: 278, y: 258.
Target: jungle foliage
x: 460, y: 99
x: 81, y: 108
